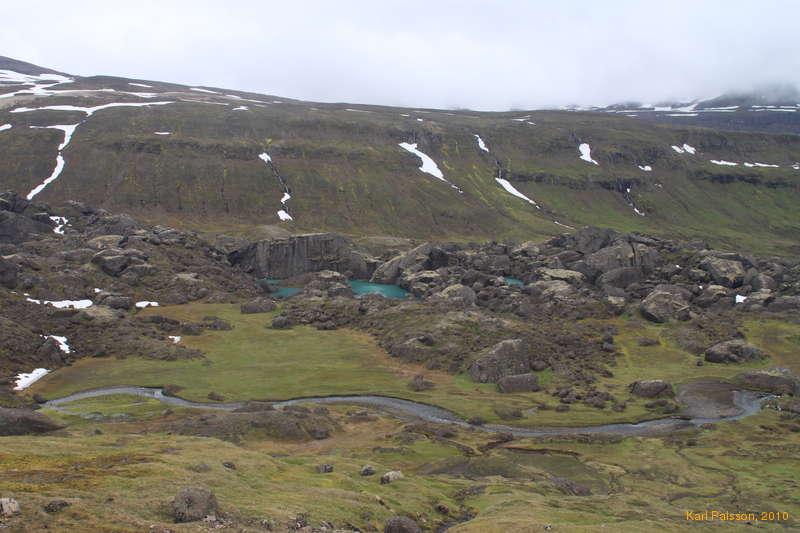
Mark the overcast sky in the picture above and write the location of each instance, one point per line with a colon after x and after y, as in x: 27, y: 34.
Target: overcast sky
x: 489, y: 55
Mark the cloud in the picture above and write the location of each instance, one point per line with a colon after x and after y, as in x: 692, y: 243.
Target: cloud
x: 490, y: 55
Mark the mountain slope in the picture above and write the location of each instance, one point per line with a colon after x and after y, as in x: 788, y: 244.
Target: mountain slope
x: 212, y: 158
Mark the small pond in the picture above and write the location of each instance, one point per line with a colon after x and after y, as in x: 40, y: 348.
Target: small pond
x: 360, y: 288
x: 514, y: 281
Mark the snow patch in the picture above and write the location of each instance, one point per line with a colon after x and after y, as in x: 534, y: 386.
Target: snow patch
x: 26, y: 380
x: 677, y: 149
x: 725, y: 163
x: 284, y: 216
x: 68, y: 129
x: 645, y: 168
x: 481, y: 144
x: 286, y: 197
x: 428, y: 165
x: 88, y: 110
x: 175, y: 339
x: 56, y: 173
x: 162, y: 132
x: 141, y: 85
x: 241, y: 108
x: 63, y: 304
x: 60, y: 222
x: 143, y: 304
x: 265, y: 157
x: 740, y: 298
x: 358, y: 110
x: 5, y: 127
x: 586, y: 153
x: 689, y: 149
x: 203, y: 90
x: 511, y: 190
x: 62, y: 342
x: 681, y: 114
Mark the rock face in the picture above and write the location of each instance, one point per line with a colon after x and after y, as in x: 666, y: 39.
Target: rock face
x: 193, y: 504
x: 725, y: 272
x: 506, y: 358
x: 734, y: 351
x: 259, y: 305
x: 8, y: 274
x: 528, y: 382
x: 284, y: 258
x: 665, y: 303
x: 24, y: 422
x: 774, y: 380
x: 653, y: 388
x: 400, y: 524
x: 391, y: 270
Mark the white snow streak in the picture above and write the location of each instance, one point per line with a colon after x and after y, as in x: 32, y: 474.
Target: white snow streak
x: 62, y: 342
x: 677, y: 149
x: 689, y: 149
x: 141, y: 85
x: 283, y: 215
x: 586, y: 153
x: 511, y: 190
x: 142, y: 305
x: 762, y: 165
x: 203, y: 90
x: 68, y: 129
x: 5, y: 127
x: 725, y: 163
x: 265, y: 157
x: 54, y: 176
x: 88, y: 110
x: 481, y: 144
x: 286, y: 197
x: 740, y: 298
x: 175, y: 338
x: 241, y: 108
x: 645, y: 168
x: 62, y: 304
x: 26, y: 380
x: 162, y: 132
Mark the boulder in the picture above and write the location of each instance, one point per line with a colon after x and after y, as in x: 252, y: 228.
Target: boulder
x: 9, y: 507
x: 8, y: 273
x: 16, y: 228
x: 105, y: 241
x: 665, y: 303
x: 325, y: 468
x: 620, y: 277
x: 570, y: 276
x: 624, y: 254
x: 192, y: 504
x: 734, y: 351
x: 554, y: 291
x: 400, y: 524
x: 457, y: 294
x: 652, y: 388
x: 775, y: 380
x: 24, y: 422
x: 506, y: 358
x: 281, y: 322
x: 111, y: 263
x: 528, y: 382
x: 390, y: 271
x: 367, y: 470
x: 259, y: 305
x: 391, y: 477
x: 116, y: 301
x: 725, y: 272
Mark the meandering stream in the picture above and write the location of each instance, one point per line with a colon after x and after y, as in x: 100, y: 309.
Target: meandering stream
x: 748, y: 402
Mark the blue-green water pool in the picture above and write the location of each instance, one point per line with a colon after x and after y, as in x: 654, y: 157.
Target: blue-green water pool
x: 514, y: 281
x: 360, y: 288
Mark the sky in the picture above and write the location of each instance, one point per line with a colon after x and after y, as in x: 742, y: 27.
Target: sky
x: 477, y: 54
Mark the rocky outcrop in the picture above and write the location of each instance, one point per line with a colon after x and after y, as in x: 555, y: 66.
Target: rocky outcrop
x: 390, y: 271
x: 653, y: 388
x: 24, y: 422
x: 8, y: 274
x: 665, y: 303
x: 506, y: 358
x: 725, y: 272
x: 284, y: 258
x: 192, y: 504
x: 400, y: 524
x: 259, y: 305
x: 528, y: 382
x: 456, y: 295
x: 775, y: 380
x: 734, y: 351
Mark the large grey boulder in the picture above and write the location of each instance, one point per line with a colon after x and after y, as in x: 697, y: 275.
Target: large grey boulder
x: 665, y: 303
x: 570, y: 276
x: 457, y: 295
x: 624, y: 254
x: 506, y: 358
x: 734, y: 351
x: 16, y: 228
x: 620, y: 277
x: 192, y: 504
x: 725, y: 272
x: 300, y: 254
x: 652, y: 388
x: 400, y: 524
x: 259, y: 305
x: 24, y: 422
x: 774, y: 380
x: 390, y: 271
x: 528, y: 382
